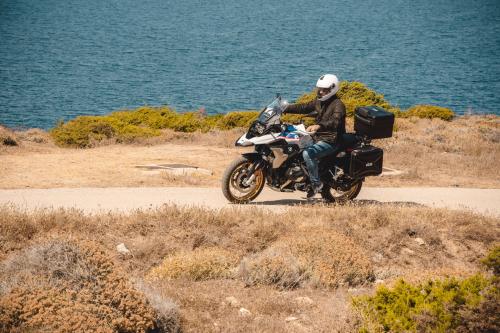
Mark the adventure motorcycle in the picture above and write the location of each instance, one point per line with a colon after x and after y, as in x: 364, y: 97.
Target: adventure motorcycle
x: 277, y: 159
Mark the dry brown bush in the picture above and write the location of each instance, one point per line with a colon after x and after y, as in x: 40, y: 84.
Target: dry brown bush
x: 275, y: 267
x: 67, y: 286
x: 199, y: 264
x: 35, y: 135
x: 322, y: 256
x: 7, y: 137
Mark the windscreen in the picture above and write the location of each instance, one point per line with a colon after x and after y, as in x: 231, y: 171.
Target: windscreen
x: 271, y: 113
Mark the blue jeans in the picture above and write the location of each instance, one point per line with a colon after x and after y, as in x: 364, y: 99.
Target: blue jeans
x: 312, y: 155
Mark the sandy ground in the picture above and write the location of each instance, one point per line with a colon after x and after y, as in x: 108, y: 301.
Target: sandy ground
x: 108, y: 166
x: 95, y: 200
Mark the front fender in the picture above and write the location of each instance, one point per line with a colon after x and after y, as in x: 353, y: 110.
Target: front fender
x: 253, y: 156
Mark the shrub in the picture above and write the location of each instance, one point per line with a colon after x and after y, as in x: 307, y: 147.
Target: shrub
x: 153, y: 117
x: 144, y: 122
x: 80, y: 131
x: 7, y: 137
x: 274, y: 266
x: 323, y: 257
x: 199, y: 264
x: 71, y: 287
x: 492, y: 260
x: 431, y: 306
x: 486, y: 316
x: 429, y: 111
x: 237, y: 119
x: 354, y: 94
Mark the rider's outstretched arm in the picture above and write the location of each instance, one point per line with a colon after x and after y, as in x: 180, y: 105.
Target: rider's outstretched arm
x: 301, y: 108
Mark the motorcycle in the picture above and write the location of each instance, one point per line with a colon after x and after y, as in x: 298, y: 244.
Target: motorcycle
x: 277, y: 159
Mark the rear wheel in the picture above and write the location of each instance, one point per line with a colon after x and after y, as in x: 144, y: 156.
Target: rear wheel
x: 332, y: 195
x: 235, y: 185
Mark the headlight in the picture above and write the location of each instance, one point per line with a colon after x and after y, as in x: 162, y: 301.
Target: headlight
x: 259, y: 128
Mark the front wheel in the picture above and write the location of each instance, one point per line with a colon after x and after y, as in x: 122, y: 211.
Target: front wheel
x: 235, y: 185
x: 332, y: 195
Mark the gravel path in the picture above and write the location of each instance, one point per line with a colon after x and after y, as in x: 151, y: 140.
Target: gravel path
x: 93, y: 200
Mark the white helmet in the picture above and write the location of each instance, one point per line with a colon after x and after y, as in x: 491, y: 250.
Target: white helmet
x: 327, y: 85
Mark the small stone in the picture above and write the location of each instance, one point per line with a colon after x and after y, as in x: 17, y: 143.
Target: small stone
x: 379, y: 281
x: 291, y: 318
x: 232, y: 301
x: 419, y: 241
x: 121, y: 248
x: 352, y: 290
x: 304, y: 300
x: 406, y: 250
x: 244, y: 312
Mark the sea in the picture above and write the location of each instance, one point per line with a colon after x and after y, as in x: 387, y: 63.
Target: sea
x: 63, y: 58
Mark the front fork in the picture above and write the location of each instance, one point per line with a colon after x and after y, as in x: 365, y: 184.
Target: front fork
x: 251, y: 171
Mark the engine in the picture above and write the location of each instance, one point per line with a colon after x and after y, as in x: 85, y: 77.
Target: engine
x: 294, y: 173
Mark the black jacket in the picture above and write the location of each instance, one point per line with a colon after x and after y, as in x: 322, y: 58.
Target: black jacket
x: 330, y: 115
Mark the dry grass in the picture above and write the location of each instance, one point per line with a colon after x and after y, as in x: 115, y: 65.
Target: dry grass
x: 184, y: 179
x: 317, y: 248
x: 463, y: 152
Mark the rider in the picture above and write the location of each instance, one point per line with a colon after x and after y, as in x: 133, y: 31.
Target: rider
x: 329, y: 128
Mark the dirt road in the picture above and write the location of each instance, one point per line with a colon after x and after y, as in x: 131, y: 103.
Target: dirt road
x: 92, y: 200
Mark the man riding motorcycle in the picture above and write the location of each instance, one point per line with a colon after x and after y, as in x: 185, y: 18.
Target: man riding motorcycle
x: 330, y: 116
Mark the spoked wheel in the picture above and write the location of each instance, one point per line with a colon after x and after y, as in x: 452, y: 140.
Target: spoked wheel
x: 236, y: 186
x: 332, y: 195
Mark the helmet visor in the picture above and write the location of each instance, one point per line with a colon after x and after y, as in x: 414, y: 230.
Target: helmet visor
x: 323, y: 91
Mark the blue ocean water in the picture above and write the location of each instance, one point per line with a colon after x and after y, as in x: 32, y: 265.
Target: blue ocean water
x: 60, y: 59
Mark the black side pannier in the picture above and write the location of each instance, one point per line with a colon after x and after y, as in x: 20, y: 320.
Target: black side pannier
x: 366, y: 161
x: 373, y: 122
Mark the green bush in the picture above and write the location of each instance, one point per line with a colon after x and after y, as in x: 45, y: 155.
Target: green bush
x: 433, y: 306
x: 429, y: 111
x: 153, y: 117
x: 355, y: 94
x: 236, y: 119
x: 128, y: 125
x: 83, y: 131
x: 492, y: 260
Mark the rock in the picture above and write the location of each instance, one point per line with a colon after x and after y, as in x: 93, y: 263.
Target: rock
x: 419, y: 241
x: 291, y: 318
x: 379, y: 281
x: 304, y: 300
x: 244, y: 312
x: 377, y: 257
x: 121, y: 248
x: 232, y: 301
